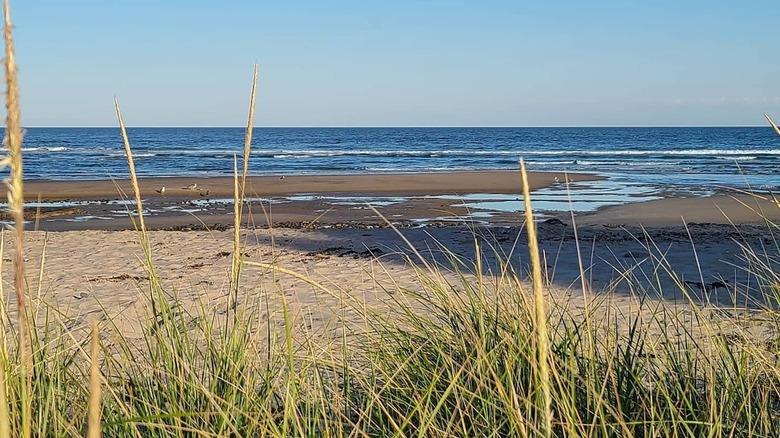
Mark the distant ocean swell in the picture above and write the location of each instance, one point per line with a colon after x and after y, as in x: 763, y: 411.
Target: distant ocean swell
x: 289, y: 153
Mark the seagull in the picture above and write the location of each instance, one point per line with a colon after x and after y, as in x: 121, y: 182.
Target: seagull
x: 281, y: 177
x: 556, y: 180
x: 161, y: 190
x: 204, y: 194
x: 192, y: 186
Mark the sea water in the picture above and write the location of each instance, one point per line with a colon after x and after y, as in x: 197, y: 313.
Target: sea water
x: 685, y: 156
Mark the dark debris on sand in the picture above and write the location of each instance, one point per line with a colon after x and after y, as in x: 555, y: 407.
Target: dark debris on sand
x: 304, y: 225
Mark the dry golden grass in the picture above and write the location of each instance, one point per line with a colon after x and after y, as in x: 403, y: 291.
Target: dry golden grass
x: 13, y: 143
x: 540, y: 322
x: 240, y: 192
x: 95, y: 406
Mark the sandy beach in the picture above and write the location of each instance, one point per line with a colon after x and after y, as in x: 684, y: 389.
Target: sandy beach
x: 671, y: 249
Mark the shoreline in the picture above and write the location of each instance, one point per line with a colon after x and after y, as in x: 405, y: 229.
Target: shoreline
x: 489, y: 198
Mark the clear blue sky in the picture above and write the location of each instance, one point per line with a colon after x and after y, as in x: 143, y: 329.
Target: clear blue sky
x: 399, y: 63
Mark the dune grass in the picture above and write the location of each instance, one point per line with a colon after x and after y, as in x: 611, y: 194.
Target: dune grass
x: 461, y: 353
x: 13, y: 144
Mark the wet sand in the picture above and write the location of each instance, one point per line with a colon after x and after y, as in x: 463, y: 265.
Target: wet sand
x: 302, y: 201
x: 737, y: 208
x: 406, y: 200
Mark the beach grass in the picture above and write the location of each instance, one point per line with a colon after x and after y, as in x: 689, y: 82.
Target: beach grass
x: 465, y: 351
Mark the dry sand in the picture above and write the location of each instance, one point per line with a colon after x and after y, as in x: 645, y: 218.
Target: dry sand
x: 686, y: 241
x: 87, y: 273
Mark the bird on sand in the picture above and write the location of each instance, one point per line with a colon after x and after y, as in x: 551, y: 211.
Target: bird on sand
x: 161, y: 190
x: 554, y: 221
x: 192, y: 186
x: 697, y: 285
x: 709, y: 287
x: 718, y: 284
x: 204, y: 194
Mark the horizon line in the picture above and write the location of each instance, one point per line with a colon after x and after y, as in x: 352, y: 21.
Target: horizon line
x: 394, y: 126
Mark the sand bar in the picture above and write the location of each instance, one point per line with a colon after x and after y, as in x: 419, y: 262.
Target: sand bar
x: 412, y: 183
x: 738, y: 208
x: 206, y: 203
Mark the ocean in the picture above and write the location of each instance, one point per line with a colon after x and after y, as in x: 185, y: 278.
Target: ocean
x: 687, y: 156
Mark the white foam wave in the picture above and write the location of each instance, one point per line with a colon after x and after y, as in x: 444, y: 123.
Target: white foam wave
x: 738, y: 158
x: 621, y: 163
x: 135, y: 154
x: 45, y: 149
x: 603, y: 163
x: 709, y: 152
x: 431, y: 169
x: 292, y: 156
x: 528, y: 153
x: 514, y: 152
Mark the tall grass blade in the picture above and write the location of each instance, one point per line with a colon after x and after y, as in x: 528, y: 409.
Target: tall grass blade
x: 131, y: 165
x: 540, y: 320
x: 248, y: 133
x: 240, y: 191
x: 777, y: 130
x: 13, y: 142
x: 93, y: 422
x: 146, y: 247
x: 5, y: 423
x: 235, y: 261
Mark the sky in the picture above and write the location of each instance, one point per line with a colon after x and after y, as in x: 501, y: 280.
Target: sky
x: 399, y: 63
